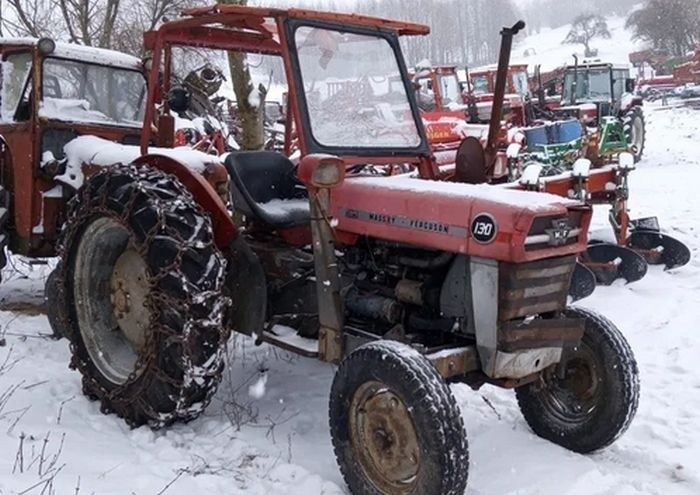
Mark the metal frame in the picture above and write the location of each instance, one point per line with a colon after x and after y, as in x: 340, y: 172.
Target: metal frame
x: 267, y: 31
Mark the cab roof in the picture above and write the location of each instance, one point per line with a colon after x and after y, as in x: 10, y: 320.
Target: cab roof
x: 597, y: 64
x: 255, y: 28
x: 81, y: 53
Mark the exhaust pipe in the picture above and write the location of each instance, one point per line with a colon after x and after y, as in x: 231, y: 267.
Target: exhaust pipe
x: 472, y: 109
x: 500, y: 91
x: 574, y: 84
x: 540, y: 90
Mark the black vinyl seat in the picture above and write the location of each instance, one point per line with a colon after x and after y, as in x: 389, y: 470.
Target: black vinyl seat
x: 265, y: 188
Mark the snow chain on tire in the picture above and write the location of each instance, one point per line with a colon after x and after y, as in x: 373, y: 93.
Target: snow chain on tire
x: 179, y: 366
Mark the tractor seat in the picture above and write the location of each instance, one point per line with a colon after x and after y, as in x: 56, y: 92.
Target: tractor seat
x: 265, y: 188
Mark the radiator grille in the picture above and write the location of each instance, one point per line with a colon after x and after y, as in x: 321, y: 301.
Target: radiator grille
x: 534, y: 288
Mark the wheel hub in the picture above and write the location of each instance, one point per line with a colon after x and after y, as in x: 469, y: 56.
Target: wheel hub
x: 111, y: 286
x: 384, y: 438
x: 128, y: 291
x: 574, y: 395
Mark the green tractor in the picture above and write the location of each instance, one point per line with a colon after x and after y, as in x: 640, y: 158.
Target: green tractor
x: 598, y: 94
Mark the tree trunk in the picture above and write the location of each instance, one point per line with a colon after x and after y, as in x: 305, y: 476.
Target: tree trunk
x: 250, y: 100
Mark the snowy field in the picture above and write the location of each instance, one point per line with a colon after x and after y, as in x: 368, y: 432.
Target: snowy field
x: 550, y: 53
x: 267, y: 433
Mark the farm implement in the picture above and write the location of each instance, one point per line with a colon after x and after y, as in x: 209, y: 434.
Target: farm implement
x: 586, y: 150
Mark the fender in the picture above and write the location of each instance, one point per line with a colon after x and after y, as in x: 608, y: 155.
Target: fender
x: 224, y: 228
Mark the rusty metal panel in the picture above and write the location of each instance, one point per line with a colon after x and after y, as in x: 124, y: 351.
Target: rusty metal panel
x: 455, y: 361
x: 539, y: 333
x: 534, y: 288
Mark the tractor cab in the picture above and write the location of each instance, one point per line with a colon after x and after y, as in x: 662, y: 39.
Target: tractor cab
x: 348, y: 90
x: 596, y: 88
x: 481, y: 87
x: 437, y: 88
x: 52, y: 93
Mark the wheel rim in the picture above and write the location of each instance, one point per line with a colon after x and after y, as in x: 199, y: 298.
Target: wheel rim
x: 110, y: 289
x: 573, y: 397
x: 384, y: 439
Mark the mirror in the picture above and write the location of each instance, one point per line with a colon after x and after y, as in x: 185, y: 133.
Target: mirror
x: 629, y: 85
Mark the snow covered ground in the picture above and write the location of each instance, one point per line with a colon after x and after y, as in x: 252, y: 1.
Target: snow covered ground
x: 551, y: 53
x: 50, y: 431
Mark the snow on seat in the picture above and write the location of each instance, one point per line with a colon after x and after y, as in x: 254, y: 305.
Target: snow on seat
x: 279, y: 210
x: 265, y: 188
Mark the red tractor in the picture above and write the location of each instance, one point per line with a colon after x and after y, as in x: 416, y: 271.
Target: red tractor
x: 406, y: 282
x: 671, y: 74
x: 482, y: 87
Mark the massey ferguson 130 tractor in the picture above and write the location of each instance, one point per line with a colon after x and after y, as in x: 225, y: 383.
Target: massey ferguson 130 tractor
x: 406, y: 282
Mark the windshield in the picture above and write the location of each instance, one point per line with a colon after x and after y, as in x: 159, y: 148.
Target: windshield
x: 480, y: 84
x: 520, y: 83
x: 347, y: 84
x: 79, y: 92
x: 591, y: 85
x: 449, y: 89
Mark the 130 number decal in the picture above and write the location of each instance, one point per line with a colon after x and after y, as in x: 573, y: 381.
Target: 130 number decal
x: 484, y: 228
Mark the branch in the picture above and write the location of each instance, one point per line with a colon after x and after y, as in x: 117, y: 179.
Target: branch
x: 29, y: 26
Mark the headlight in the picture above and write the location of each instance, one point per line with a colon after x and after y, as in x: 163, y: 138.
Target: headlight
x: 328, y: 173
x: 46, y: 46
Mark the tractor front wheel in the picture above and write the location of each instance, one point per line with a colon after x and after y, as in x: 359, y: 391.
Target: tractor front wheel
x: 589, y: 400
x: 142, y: 286
x: 395, y: 425
x: 635, y: 132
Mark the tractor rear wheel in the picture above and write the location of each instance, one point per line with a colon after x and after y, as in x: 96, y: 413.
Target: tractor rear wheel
x: 395, y: 425
x: 635, y: 132
x: 590, y: 399
x: 142, y: 283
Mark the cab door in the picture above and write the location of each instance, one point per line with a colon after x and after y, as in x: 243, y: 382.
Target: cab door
x: 18, y: 131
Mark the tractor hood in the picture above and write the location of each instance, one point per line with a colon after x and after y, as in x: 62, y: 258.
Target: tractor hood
x: 478, y: 220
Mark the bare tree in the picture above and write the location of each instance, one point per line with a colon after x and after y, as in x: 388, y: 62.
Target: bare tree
x: 88, y: 22
x: 249, y: 99
x: 138, y: 16
x: 678, y: 33
x: 117, y: 24
x: 34, y: 18
x: 586, y: 27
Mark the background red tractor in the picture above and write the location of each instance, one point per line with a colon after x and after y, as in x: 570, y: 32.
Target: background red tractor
x: 481, y: 87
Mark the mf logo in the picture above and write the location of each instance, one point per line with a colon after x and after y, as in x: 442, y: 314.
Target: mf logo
x: 559, y: 233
